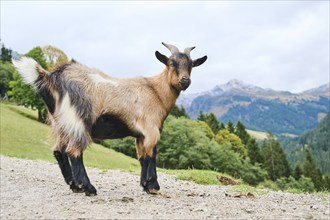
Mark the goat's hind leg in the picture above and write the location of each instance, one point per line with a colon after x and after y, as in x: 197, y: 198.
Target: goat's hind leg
x: 63, y: 162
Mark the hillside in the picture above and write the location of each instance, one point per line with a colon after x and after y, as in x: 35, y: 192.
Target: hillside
x: 318, y: 140
x: 279, y: 112
x: 23, y: 136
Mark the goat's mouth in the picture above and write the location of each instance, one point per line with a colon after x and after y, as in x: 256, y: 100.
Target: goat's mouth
x: 184, y: 84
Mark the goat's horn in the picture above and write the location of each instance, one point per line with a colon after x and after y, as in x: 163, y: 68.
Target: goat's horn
x: 188, y: 49
x: 172, y: 48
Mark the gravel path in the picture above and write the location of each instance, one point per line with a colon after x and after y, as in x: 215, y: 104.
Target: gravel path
x: 36, y: 190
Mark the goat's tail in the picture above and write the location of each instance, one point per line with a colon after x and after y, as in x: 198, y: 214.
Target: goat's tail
x: 35, y: 75
x: 30, y: 70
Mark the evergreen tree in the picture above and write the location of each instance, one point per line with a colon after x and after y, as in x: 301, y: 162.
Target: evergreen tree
x: 179, y: 112
x: 211, y: 120
x: 310, y: 169
x: 201, y: 116
x: 275, y: 161
x: 222, y: 126
x: 242, y: 133
x: 5, y: 55
x: 230, y: 127
x: 254, y: 151
x: 326, y: 182
x: 298, y: 172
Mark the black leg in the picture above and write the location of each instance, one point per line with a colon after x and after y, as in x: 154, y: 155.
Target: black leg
x: 63, y: 162
x: 144, y: 170
x: 149, y: 174
x: 80, y: 176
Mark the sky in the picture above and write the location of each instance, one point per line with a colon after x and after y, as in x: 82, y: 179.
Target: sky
x: 283, y: 45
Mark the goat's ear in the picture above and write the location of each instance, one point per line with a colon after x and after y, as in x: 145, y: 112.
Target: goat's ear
x: 199, y: 61
x: 162, y: 58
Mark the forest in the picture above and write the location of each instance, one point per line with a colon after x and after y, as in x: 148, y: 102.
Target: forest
x: 204, y: 143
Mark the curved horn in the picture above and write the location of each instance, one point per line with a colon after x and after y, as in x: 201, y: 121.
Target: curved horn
x: 188, y: 49
x: 172, y: 48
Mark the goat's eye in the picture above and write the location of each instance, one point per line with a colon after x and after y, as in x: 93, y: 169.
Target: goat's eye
x: 174, y: 64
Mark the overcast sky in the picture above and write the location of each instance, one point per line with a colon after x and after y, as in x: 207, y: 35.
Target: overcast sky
x: 280, y: 45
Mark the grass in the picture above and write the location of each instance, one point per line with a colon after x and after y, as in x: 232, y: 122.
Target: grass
x: 246, y: 189
x: 204, y: 177
x: 23, y: 136
x: 259, y: 135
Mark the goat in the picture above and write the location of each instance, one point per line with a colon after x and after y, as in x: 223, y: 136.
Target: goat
x: 85, y: 105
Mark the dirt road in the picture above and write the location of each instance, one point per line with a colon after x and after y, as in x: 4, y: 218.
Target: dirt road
x: 36, y: 190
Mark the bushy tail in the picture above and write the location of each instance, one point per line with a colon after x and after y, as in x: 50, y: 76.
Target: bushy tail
x: 29, y: 69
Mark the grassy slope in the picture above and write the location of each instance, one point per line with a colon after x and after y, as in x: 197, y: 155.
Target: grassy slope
x: 259, y: 135
x: 24, y: 137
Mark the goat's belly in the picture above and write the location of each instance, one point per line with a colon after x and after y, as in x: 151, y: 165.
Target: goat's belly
x: 110, y: 127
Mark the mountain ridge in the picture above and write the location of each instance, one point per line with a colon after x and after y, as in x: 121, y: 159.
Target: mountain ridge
x: 280, y: 112
x: 239, y: 87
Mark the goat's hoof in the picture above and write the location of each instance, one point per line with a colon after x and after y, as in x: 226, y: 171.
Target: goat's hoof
x: 151, y: 187
x: 75, y: 188
x: 90, y: 190
x: 152, y: 191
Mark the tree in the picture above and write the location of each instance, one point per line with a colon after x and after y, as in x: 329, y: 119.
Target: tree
x: 23, y: 93
x: 275, y: 161
x: 211, y: 120
x: 297, y: 172
x: 179, y: 112
x: 310, y: 169
x: 222, y: 126
x: 54, y: 57
x: 5, y: 54
x: 224, y: 136
x: 123, y: 145
x: 183, y: 144
x: 37, y: 54
x: 6, y: 75
x: 225, y: 160
x: 254, y: 151
x: 241, y: 132
x: 230, y: 127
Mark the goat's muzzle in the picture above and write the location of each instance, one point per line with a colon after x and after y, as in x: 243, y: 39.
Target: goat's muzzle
x: 184, y: 83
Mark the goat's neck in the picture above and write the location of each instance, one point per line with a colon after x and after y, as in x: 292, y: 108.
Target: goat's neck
x: 165, y: 91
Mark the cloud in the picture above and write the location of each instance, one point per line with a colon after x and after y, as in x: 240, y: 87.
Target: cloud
x: 281, y: 45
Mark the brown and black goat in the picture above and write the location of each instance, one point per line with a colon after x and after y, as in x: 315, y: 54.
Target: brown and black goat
x: 85, y: 104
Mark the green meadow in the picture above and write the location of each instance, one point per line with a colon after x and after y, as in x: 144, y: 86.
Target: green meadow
x: 23, y: 136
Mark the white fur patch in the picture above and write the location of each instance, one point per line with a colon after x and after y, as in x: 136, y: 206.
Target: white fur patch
x: 69, y: 121
x: 27, y: 69
x: 97, y: 78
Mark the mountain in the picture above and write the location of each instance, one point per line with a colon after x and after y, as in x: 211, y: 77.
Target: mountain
x: 317, y: 141
x: 319, y: 91
x: 280, y: 112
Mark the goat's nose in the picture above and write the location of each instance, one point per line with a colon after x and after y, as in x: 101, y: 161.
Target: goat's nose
x: 184, y: 83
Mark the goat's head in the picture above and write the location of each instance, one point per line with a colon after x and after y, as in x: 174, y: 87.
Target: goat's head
x: 179, y: 66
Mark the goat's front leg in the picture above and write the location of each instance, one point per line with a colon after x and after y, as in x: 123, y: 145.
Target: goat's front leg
x: 80, y: 176
x: 148, y: 168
